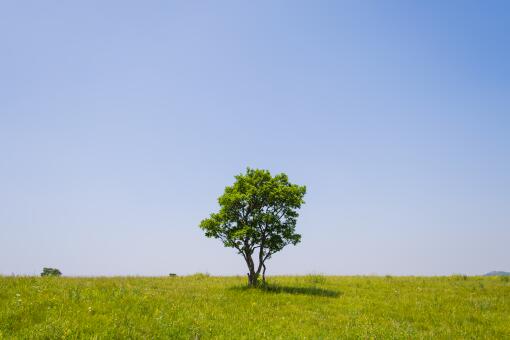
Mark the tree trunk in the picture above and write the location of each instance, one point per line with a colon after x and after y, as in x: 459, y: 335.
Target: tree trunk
x: 252, y: 279
x: 252, y: 275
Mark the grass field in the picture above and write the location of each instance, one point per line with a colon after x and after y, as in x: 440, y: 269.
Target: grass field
x: 301, y: 307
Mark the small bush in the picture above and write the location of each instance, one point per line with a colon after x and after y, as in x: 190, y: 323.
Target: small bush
x: 51, y: 272
x: 504, y: 278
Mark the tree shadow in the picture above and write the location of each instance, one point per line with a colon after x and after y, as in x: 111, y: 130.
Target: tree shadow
x: 279, y: 289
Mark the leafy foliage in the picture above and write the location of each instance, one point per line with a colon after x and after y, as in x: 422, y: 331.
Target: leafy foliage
x: 257, y: 216
x: 51, y: 272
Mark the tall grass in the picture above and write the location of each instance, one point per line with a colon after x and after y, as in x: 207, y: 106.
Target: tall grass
x: 202, y: 306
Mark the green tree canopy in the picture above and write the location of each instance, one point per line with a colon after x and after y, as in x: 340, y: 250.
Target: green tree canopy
x: 51, y: 272
x: 257, y: 216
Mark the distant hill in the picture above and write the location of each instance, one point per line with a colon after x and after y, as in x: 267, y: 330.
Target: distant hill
x: 496, y: 273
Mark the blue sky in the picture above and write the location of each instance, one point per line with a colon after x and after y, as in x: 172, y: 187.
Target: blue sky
x: 122, y: 122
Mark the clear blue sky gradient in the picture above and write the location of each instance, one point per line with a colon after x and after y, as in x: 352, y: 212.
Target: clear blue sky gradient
x: 122, y: 121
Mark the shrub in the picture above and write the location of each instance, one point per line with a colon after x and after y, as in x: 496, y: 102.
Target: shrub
x: 51, y: 272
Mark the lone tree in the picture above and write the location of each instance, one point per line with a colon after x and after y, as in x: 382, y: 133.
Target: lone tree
x: 257, y: 216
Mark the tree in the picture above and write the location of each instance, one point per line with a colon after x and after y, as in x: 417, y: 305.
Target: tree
x: 257, y: 217
x: 51, y: 272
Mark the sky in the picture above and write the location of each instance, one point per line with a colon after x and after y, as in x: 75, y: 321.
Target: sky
x: 121, y: 122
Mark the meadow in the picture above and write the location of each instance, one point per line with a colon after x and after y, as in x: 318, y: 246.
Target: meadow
x: 294, y: 307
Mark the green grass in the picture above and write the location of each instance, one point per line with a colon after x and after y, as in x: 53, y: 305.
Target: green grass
x: 200, y: 306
